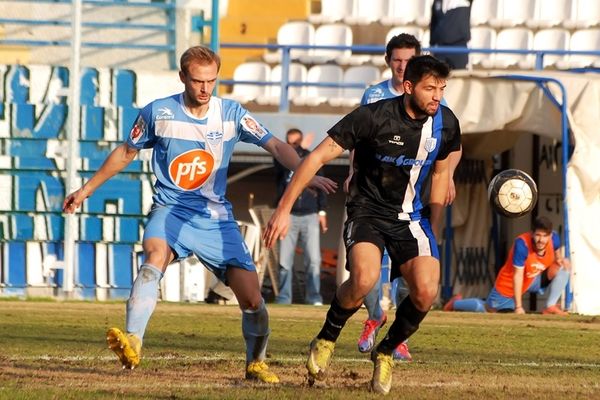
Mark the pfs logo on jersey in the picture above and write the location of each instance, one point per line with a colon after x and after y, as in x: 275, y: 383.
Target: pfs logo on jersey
x: 191, y: 169
x: 138, y: 129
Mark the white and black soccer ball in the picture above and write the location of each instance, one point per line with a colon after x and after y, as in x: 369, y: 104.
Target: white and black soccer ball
x: 512, y: 193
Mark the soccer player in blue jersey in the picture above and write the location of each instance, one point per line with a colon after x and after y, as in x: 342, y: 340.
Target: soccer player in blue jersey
x: 192, y: 135
x: 395, y: 201
x: 398, y: 51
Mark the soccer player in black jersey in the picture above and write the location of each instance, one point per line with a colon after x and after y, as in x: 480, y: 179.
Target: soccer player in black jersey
x: 396, y: 199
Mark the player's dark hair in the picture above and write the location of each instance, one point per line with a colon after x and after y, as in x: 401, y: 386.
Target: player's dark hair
x: 293, y: 130
x: 200, y: 54
x: 419, y: 67
x: 402, y: 41
x: 542, y: 224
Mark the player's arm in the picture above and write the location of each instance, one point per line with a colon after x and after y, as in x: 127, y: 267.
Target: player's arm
x: 518, y: 288
x: 287, y: 156
x: 278, y: 225
x: 454, y: 159
x: 116, y: 161
x: 439, y: 190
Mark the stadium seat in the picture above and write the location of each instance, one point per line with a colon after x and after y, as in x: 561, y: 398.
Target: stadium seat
x: 513, y: 13
x: 511, y: 39
x: 551, y: 39
x: 316, y: 95
x: 365, y: 74
x: 413, y: 12
x: 582, y: 40
x: 482, y: 37
x: 367, y: 11
x: 483, y: 11
x: 333, y: 11
x: 250, y: 71
x: 551, y: 13
x: 585, y: 14
x: 298, y: 32
x: 297, y: 73
x: 416, y: 31
x: 329, y: 35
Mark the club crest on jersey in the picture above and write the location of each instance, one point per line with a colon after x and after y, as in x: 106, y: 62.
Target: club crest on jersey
x: 214, y: 136
x: 189, y: 170
x: 165, y: 113
x: 252, y: 126
x: 430, y: 144
x: 138, y: 128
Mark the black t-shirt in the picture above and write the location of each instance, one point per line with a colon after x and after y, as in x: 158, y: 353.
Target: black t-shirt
x: 394, y: 156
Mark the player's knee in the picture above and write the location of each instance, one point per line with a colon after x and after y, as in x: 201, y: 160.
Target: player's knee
x: 424, y: 297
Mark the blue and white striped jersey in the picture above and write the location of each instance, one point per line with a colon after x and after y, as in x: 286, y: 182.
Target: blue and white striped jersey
x: 380, y: 91
x: 190, y: 155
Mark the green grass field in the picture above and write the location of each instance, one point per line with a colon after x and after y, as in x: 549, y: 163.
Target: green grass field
x: 57, y: 350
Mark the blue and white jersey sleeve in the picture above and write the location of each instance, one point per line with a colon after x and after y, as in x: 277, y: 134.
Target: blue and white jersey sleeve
x: 142, y: 134
x: 380, y: 91
x: 248, y: 128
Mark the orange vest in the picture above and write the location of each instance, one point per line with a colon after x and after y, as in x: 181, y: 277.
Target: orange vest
x: 504, y: 281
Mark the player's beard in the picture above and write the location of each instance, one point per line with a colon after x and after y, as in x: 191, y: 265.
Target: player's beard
x: 194, y: 101
x: 418, y: 110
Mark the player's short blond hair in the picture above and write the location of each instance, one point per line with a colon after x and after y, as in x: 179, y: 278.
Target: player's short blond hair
x: 200, y: 54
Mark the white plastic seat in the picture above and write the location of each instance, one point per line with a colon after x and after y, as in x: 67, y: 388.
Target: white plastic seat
x: 412, y: 12
x: 250, y: 71
x: 329, y: 35
x: 483, y: 11
x: 296, y: 73
x: 316, y: 95
x: 332, y: 11
x: 585, y: 14
x: 482, y: 37
x: 551, y: 39
x: 582, y: 40
x: 513, y: 13
x: 414, y: 30
x: 551, y: 13
x: 511, y: 39
x: 367, y: 11
x: 298, y: 32
x: 364, y: 74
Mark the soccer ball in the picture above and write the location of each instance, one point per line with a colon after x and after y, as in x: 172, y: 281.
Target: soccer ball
x: 512, y: 193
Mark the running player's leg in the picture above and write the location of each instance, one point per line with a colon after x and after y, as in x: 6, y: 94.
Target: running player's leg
x: 364, y: 259
x: 255, y: 322
x: 141, y: 303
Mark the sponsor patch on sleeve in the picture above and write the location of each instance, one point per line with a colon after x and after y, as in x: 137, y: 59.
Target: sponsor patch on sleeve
x: 253, y: 126
x: 138, y: 129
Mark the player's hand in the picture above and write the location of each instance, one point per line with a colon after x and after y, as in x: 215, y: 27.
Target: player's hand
x: 73, y: 201
x: 325, y: 184
x: 519, y: 310
x: 451, y: 195
x: 276, y: 228
x: 323, y: 223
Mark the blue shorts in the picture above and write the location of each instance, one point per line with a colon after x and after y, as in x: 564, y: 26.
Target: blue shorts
x: 498, y: 301
x: 218, y: 244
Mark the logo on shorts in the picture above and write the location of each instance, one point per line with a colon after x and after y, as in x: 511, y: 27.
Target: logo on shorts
x: 191, y: 169
x: 138, y: 129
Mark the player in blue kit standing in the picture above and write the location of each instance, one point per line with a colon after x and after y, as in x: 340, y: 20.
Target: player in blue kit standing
x: 192, y: 135
x: 395, y: 201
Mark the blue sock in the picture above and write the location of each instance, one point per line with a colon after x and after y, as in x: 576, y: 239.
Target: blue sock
x: 372, y: 303
x: 473, y: 305
x: 142, y: 299
x: 255, y: 328
x: 557, y: 285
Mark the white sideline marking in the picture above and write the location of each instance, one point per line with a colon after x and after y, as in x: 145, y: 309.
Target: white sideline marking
x: 221, y: 357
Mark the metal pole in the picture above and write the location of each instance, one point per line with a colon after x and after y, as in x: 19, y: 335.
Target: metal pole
x: 73, y: 153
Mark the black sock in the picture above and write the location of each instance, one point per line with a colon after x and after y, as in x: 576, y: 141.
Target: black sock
x: 406, y: 323
x: 335, y: 321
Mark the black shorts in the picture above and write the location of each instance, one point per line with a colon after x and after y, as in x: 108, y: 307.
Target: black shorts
x: 403, y: 240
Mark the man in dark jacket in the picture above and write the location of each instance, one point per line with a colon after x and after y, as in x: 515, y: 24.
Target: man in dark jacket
x: 451, y: 26
x: 308, y: 214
